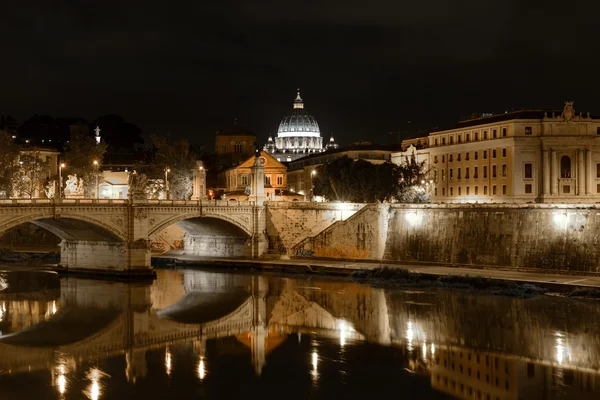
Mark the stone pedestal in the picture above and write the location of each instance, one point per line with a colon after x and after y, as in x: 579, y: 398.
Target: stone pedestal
x: 199, y: 182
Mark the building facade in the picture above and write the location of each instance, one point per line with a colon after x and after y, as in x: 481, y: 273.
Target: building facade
x: 524, y: 156
x: 235, y: 142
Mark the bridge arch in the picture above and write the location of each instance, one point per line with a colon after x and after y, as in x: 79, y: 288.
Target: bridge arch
x: 244, y: 227
x: 73, y: 227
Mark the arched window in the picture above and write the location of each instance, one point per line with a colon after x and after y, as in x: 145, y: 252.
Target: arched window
x: 565, y: 167
x: 237, y: 148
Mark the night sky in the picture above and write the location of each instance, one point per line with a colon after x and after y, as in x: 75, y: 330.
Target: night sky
x: 364, y: 67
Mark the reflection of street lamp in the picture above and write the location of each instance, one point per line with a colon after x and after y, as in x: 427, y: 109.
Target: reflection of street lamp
x: 97, y: 188
x: 62, y: 165
x: 167, y: 170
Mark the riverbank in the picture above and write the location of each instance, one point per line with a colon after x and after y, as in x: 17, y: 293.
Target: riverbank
x: 558, y: 282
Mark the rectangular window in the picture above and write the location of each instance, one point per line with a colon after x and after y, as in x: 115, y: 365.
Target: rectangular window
x: 443, y: 191
x: 485, y: 154
x: 503, y: 189
x: 435, y: 160
x: 504, y: 152
x: 485, y: 172
x: 467, y: 156
x: 494, y: 153
x: 435, y: 175
x: 450, y: 158
x: 504, y: 170
x: 476, y: 155
x: 458, y: 157
x: 476, y: 190
x: 476, y: 135
x: 467, y: 173
x: 450, y: 173
x: 458, y: 175
x: 451, y: 191
x: 598, y: 170
x: 529, y: 170
x: 223, y: 148
x: 598, y: 188
x: 280, y: 180
x: 493, y: 171
x: 485, y: 135
x: 494, y: 134
x: 598, y: 130
x: 468, y: 137
x: 443, y: 158
x: 475, y: 172
x: 528, y: 130
x: 267, y: 180
x: 566, y: 189
x: 467, y: 190
x: 451, y: 139
x: 435, y: 142
x: 528, y: 188
x: 435, y: 192
x: 459, y: 191
x: 485, y: 190
x: 444, y: 140
x: 245, y: 180
x: 494, y: 190
x: 443, y: 174
x: 503, y: 132
x: 459, y: 138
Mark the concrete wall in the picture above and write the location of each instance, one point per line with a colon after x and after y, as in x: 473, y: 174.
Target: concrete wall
x: 527, y: 236
x: 217, y: 246
x: 102, y: 255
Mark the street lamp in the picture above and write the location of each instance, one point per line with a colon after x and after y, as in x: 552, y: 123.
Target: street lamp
x: 167, y: 170
x: 312, y: 189
x: 62, y: 165
x: 97, y: 187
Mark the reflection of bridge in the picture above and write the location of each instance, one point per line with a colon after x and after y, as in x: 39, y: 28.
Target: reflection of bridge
x: 100, y: 319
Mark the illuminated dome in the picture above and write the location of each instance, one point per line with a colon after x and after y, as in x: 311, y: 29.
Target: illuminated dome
x: 299, y: 132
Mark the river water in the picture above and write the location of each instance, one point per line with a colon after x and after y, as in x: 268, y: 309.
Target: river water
x: 220, y: 335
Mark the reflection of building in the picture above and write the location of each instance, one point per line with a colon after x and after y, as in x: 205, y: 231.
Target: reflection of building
x: 299, y: 174
x: 298, y: 135
x: 523, y: 156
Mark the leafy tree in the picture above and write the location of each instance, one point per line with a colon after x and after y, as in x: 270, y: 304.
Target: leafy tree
x: 28, y: 178
x: 81, y: 152
x: 179, y: 158
x: 8, y: 163
x: 344, y: 179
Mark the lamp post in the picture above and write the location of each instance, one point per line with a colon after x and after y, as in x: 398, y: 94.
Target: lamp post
x: 61, y: 166
x: 312, y: 189
x: 97, y: 187
x: 167, y: 170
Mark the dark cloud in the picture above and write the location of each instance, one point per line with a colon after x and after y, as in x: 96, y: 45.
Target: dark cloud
x: 365, y: 67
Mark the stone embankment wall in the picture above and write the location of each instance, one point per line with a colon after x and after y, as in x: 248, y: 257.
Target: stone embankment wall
x: 288, y: 223
x: 562, y: 236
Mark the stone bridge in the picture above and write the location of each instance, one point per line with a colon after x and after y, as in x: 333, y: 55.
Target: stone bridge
x: 115, y: 235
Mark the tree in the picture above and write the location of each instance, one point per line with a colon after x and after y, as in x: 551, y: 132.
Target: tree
x: 413, y: 180
x: 360, y: 181
x: 81, y: 152
x: 8, y: 163
x: 28, y: 178
x: 178, y: 158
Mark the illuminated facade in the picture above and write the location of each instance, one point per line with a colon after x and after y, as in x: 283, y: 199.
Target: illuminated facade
x: 298, y: 135
x: 524, y: 156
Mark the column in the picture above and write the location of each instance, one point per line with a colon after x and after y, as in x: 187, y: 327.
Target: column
x: 546, y: 171
x: 554, y: 174
x: 589, y: 179
x: 580, y: 172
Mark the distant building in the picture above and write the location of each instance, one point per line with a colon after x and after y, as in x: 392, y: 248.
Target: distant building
x: 298, y: 135
x: 235, y: 181
x: 522, y: 156
x: 300, y: 172
x: 235, y: 143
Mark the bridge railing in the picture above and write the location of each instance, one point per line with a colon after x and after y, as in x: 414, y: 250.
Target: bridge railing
x: 204, y: 203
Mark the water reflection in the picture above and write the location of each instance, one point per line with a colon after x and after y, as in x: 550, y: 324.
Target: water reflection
x: 436, y: 343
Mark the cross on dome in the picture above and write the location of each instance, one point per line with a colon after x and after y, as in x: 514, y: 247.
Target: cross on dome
x: 298, y: 101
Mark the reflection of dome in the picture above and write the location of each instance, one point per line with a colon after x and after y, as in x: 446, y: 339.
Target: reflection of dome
x: 300, y: 123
